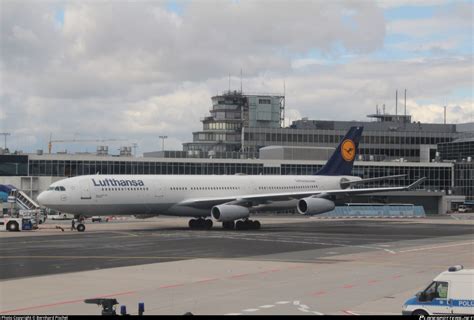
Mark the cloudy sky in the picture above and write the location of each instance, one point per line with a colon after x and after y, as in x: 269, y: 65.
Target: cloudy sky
x: 140, y: 69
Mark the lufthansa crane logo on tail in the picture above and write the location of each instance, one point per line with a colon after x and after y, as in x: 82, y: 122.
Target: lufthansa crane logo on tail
x: 348, y: 150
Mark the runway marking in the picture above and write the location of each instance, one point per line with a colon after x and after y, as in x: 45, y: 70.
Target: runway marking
x: 171, y: 286
x: 239, y: 275
x: 296, y: 303
x: 233, y: 314
x: 350, y: 312
x: 437, y: 247
x: 65, y: 302
x: 206, y: 280
x: 348, y: 286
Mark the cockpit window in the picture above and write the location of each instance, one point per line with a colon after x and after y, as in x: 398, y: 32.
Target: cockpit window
x: 58, y: 188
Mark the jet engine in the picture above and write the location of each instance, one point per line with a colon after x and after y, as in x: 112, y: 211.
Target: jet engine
x: 229, y: 212
x: 314, y: 206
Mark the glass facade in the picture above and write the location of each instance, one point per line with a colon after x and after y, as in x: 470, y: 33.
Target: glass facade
x: 13, y: 165
x: 459, y: 150
x: 439, y: 175
x: 413, y: 146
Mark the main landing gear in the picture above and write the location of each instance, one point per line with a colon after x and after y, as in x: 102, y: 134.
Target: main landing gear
x: 246, y: 224
x: 200, y: 224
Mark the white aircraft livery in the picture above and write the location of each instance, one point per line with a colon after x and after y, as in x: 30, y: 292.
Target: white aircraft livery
x: 229, y: 199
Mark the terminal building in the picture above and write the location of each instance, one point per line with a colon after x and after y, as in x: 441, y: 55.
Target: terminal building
x: 244, y: 134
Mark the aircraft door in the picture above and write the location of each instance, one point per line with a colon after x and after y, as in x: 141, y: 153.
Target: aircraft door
x: 86, y: 192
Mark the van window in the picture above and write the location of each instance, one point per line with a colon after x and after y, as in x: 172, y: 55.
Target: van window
x: 437, y: 289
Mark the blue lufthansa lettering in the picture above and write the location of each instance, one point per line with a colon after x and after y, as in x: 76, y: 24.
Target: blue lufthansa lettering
x: 117, y: 183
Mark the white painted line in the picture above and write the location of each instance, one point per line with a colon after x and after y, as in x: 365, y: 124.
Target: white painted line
x: 296, y: 302
x: 318, y: 313
x: 303, y: 310
x: 233, y: 314
x: 283, y: 302
x: 267, y: 306
x: 304, y: 306
x: 389, y: 251
x: 438, y: 247
x: 250, y: 310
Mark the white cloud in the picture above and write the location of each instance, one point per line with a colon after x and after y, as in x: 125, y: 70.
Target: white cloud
x: 135, y: 70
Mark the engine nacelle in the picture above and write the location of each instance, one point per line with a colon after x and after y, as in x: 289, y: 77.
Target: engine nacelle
x: 313, y: 206
x: 229, y: 212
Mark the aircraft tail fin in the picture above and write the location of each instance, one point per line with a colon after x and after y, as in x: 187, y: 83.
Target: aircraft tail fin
x: 342, y: 160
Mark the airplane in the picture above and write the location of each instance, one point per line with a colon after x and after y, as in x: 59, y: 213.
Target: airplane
x: 229, y: 199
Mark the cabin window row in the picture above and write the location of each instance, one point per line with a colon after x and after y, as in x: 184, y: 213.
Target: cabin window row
x: 125, y: 189
x: 203, y: 188
x: 288, y: 187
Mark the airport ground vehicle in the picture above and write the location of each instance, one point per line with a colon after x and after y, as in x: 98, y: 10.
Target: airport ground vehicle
x: 59, y: 216
x: 451, y: 292
x: 462, y: 208
x: 15, y: 224
x: 99, y: 219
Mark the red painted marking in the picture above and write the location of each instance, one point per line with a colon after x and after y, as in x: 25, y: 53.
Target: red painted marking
x: 296, y: 267
x: 274, y: 270
x: 206, y: 280
x: 319, y: 293
x: 172, y: 286
x: 64, y: 302
x: 348, y: 286
x: 350, y: 313
x: 374, y: 281
x: 239, y: 275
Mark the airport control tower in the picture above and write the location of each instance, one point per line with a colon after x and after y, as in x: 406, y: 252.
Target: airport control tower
x: 232, y: 111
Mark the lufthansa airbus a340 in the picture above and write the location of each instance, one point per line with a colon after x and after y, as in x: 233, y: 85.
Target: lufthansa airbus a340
x: 229, y: 199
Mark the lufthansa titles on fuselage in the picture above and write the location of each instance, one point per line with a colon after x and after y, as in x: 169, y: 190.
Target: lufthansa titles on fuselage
x: 117, y: 183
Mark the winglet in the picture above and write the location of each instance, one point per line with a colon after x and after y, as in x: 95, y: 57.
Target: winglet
x: 416, y: 183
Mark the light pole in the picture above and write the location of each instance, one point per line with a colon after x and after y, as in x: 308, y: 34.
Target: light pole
x: 5, y: 134
x: 163, y: 142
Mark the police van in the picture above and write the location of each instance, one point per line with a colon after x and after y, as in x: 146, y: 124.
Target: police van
x: 451, y: 292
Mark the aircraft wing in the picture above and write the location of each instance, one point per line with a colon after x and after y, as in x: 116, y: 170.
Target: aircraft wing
x: 254, y: 199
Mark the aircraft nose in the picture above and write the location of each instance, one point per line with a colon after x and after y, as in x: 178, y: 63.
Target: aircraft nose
x: 42, y: 198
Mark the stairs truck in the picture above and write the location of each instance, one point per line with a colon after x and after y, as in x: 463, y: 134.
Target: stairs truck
x: 15, y: 224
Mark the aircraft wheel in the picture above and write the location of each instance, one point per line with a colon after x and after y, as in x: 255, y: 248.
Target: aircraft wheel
x: 192, y: 223
x: 208, y: 224
x: 256, y: 225
x: 80, y: 227
x: 241, y: 225
x: 228, y: 225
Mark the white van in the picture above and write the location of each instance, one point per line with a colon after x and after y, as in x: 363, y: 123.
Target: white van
x: 451, y: 292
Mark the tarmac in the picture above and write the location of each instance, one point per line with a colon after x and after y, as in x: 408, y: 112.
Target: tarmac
x: 293, y: 265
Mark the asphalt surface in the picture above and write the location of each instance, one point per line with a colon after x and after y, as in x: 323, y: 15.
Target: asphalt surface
x: 28, y: 256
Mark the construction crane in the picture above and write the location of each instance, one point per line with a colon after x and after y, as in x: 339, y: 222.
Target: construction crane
x: 50, y: 143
